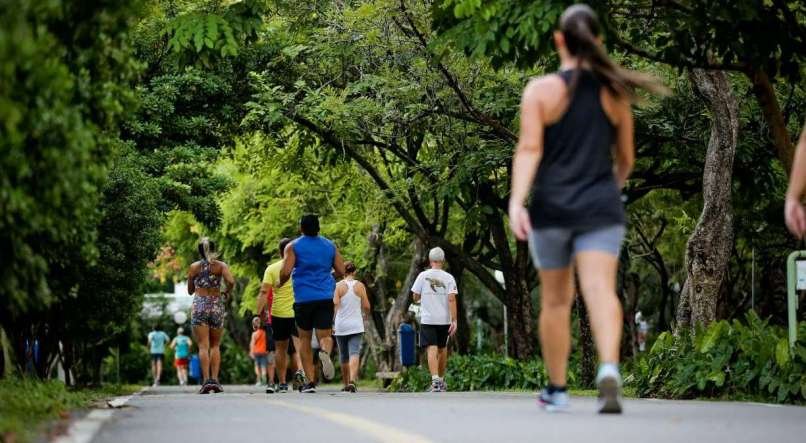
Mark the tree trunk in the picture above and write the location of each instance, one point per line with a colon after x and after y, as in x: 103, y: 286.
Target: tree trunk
x: 709, y: 247
x: 461, y: 340
x: 768, y: 102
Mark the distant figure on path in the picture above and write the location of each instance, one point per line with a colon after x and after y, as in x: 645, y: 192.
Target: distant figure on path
x: 573, y: 124
x: 436, y: 292
x: 279, y: 302
x: 259, y: 351
x: 204, y: 282
x: 349, y: 301
x: 794, y: 211
x: 310, y: 261
x: 181, y: 345
x: 156, y: 343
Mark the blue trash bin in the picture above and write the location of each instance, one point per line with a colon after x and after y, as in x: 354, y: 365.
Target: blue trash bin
x: 406, y: 338
x: 194, y: 371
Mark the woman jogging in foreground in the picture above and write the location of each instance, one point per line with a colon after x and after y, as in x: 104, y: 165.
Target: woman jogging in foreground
x: 572, y: 125
x: 204, y: 283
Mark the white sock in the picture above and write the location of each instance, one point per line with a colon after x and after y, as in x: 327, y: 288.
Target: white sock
x: 608, y: 370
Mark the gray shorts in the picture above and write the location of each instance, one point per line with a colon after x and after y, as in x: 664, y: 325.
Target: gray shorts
x: 349, y: 345
x: 554, y: 248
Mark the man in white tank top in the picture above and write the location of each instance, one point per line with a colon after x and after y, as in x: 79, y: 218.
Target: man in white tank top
x: 349, y: 300
x: 436, y: 291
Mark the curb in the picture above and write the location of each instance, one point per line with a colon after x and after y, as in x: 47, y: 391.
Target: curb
x: 85, y: 429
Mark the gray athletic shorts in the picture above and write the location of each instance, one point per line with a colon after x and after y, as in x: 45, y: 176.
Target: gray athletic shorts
x: 349, y: 345
x: 554, y: 248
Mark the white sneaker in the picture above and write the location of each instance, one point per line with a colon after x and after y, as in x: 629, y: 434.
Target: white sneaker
x: 556, y: 402
x: 608, y: 380
x: 328, y: 371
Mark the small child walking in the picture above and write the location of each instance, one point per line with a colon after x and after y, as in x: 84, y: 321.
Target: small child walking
x: 259, y: 353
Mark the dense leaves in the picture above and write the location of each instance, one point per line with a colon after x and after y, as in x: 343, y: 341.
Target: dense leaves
x: 749, y: 358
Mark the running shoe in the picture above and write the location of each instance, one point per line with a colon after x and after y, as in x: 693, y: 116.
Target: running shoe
x: 608, y: 380
x: 215, y: 386
x: 282, y: 389
x: 206, y: 386
x: 351, y: 388
x: 309, y: 388
x: 436, y: 385
x: 328, y: 371
x: 299, y: 380
x: 271, y: 389
x: 554, y: 402
x: 443, y: 385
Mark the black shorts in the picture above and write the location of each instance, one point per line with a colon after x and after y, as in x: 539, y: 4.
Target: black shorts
x: 314, y: 315
x: 156, y: 357
x: 269, y: 337
x: 434, y: 335
x: 284, y: 328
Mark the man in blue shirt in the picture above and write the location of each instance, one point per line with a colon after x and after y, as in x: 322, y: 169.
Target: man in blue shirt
x: 156, y: 342
x: 311, y: 260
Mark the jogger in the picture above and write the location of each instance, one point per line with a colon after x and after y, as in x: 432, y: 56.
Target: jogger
x: 181, y: 345
x: 311, y: 260
x: 572, y: 123
x: 156, y: 343
x: 280, y: 302
x: 350, y: 300
x: 204, y: 283
x: 436, y: 292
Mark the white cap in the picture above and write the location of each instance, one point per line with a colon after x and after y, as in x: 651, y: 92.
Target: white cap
x: 436, y: 254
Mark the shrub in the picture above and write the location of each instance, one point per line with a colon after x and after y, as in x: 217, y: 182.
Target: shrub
x: 478, y: 372
x: 749, y: 359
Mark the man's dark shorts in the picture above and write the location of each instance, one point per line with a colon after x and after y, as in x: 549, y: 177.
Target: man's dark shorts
x: 284, y: 328
x: 434, y: 335
x: 314, y: 315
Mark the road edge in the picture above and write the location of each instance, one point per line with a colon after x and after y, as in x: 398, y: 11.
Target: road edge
x: 86, y: 428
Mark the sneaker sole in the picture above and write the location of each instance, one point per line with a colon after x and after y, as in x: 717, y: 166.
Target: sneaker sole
x: 328, y: 371
x: 609, y: 393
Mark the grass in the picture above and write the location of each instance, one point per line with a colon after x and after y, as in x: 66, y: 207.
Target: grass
x: 26, y: 404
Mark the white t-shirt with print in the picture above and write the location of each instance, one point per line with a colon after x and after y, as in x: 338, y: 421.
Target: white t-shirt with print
x: 434, y: 285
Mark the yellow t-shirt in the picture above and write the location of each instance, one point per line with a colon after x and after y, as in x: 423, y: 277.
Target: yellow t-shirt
x: 283, y: 303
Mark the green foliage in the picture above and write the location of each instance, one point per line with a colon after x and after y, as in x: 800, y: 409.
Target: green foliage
x: 749, y: 359
x: 478, y: 373
x: 59, y: 104
x: 26, y: 403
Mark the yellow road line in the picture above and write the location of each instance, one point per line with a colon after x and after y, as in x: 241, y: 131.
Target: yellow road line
x: 382, y: 432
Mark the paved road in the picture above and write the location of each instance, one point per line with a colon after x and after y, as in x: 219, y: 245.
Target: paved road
x: 242, y: 414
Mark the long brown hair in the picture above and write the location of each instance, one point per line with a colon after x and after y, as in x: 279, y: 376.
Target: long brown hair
x: 581, y: 29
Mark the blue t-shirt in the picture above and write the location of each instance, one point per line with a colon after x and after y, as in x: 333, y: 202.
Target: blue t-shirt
x: 182, y: 346
x: 312, y: 276
x: 158, y: 340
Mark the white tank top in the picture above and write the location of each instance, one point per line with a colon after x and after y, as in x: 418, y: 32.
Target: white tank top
x: 348, y: 318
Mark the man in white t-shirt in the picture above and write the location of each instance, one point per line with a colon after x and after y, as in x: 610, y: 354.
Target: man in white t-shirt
x: 436, y: 291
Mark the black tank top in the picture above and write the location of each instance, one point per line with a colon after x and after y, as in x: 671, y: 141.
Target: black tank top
x: 575, y: 186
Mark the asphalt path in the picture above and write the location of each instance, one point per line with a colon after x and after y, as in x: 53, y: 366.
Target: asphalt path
x: 243, y: 413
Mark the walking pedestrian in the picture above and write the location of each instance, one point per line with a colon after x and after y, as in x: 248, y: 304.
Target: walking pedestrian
x: 572, y: 123
x: 181, y: 345
x: 156, y: 343
x: 436, y: 292
x: 349, y: 300
x: 310, y: 260
x: 794, y: 211
x: 279, y: 301
x: 205, y: 278
x: 258, y: 350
